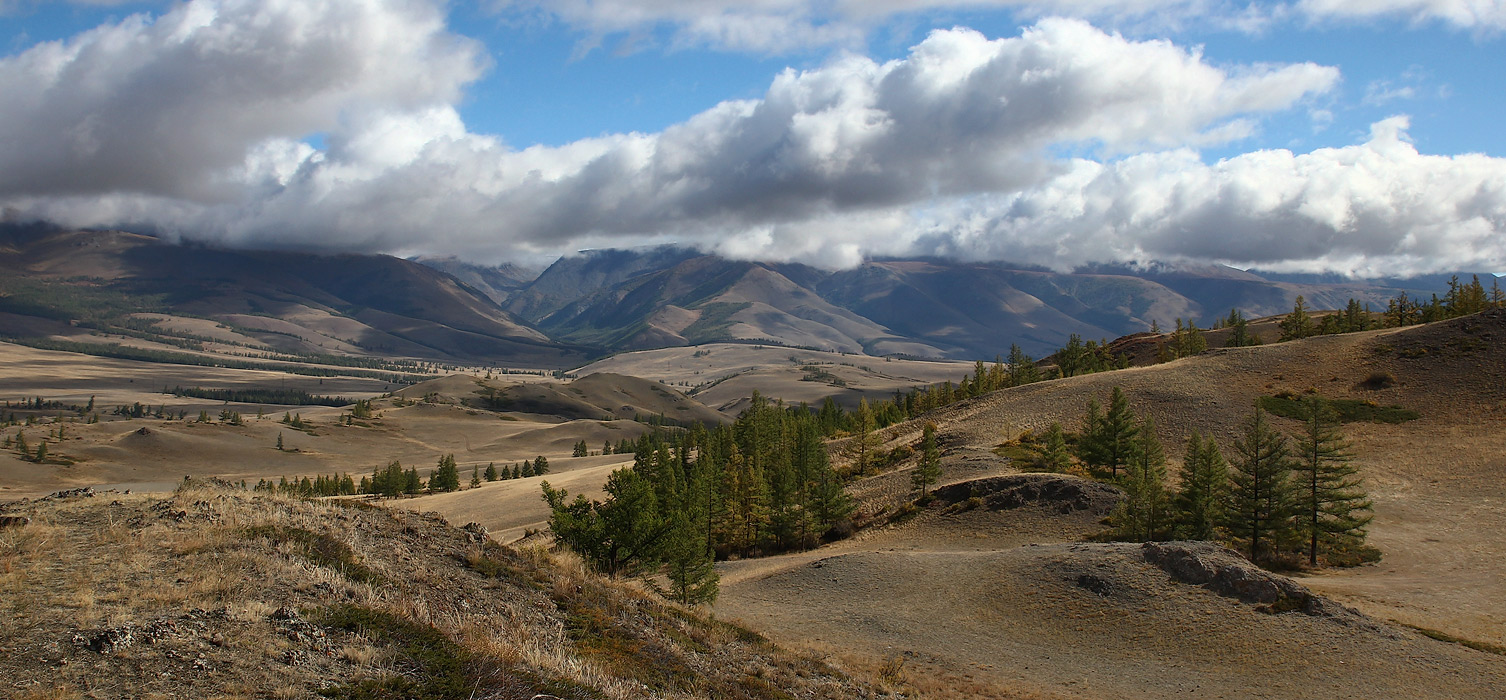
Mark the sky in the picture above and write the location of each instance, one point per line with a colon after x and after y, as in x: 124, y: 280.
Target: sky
x: 1353, y: 136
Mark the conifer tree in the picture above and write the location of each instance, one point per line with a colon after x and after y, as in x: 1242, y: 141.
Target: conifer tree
x: 41, y: 452
x: 929, y: 470
x: 279, y: 441
x: 517, y: 472
x: 21, y: 445
x: 1204, y: 484
x: 864, y: 442
x: 1297, y: 324
x: 1142, y: 514
x: 1055, y: 456
x: 491, y: 471
x: 1331, y: 501
x: 446, y: 476
x: 1260, y: 501
x: 527, y: 469
x: 1022, y: 369
x: 541, y: 465
x: 1107, y: 439
x: 475, y: 475
x: 412, y: 484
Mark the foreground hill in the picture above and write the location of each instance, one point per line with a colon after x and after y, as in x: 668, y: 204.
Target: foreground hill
x: 213, y: 592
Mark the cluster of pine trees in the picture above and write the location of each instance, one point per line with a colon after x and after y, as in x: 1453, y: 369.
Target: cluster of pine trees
x: 393, y: 480
x: 1460, y: 300
x: 1279, y: 495
x: 763, y: 483
x: 332, y: 485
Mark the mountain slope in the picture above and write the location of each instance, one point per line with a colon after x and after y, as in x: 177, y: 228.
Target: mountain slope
x: 345, y: 304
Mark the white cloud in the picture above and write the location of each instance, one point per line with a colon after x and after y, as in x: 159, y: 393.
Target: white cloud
x: 783, y: 25
x: 1375, y: 208
x: 945, y: 151
x: 171, y: 105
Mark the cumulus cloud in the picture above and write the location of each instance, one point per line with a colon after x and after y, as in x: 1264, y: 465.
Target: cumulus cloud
x: 948, y: 150
x: 169, y: 105
x: 783, y: 25
x: 1376, y: 208
x: 961, y: 114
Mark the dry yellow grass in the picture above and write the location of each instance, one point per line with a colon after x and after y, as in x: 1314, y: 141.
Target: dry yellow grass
x: 218, y: 592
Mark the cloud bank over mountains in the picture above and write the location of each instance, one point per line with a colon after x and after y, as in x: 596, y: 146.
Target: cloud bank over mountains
x: 1062, y: 146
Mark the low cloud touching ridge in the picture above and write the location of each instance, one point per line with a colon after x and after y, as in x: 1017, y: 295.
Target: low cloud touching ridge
x: 946, y: 151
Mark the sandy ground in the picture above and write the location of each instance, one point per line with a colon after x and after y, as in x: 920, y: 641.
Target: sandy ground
x: 509, y: 508
x: 155, y: 454
x: 724, y: 375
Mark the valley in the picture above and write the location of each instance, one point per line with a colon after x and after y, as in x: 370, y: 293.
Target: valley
x: 1001, y: 587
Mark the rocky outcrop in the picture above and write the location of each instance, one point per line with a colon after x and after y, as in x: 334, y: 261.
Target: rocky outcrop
x: 1062, y: 493
x: 1225, y: 572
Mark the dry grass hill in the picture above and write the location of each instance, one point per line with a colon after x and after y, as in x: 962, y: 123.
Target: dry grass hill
x: 211, y: 592
x: 1006, y: 599
x: 724, y: 375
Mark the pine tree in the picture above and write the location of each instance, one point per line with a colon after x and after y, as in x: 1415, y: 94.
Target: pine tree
x: 527, y: 468
x: 1055, y: 456
x: 446, y: 476
x: 864, y: 442
x: 1331, y: 501
x: 540, y: 466
x: 41, y: 452
x: 580, y: 449
x: 1022, y: 369
x: 1107, y: 439
x: 1260, y: 502
x: 929, y: 469
x: 279, y: 441
x: 1142, y: 514
x: 1239, y: 331
x: 21, y: 445
x: 491, y: 471
x: 412, y: 484
x: 475, y: 475
x: 1297, y: 324
x: 1204, y: 484
x: 517, y: 472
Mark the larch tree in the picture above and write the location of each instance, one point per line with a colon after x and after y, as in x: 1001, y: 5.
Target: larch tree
x: 1298, y: 324
x: 1055, y: 456
x: 929, y: 470
x: 1142, y: 515
x: 1331, y: 500
x: 1200, y: 497
x: 1107, y: 438
x: 1260, y: 503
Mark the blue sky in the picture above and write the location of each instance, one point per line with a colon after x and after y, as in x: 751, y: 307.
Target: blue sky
x: 1357, y: 136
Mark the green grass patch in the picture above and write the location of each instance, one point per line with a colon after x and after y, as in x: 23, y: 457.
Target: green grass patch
x: 319, y: 549
x: 1348, y: 410
x: 437, y: 668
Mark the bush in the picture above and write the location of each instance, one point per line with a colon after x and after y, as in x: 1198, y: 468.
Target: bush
x: 1379, y: 380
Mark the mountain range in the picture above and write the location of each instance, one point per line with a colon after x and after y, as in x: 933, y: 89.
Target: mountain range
x: 55, y: 282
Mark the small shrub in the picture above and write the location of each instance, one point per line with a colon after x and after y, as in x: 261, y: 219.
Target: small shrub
x: 1379, y: 380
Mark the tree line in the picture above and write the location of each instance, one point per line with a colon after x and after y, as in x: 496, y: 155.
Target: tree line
x: 1279, y: 495
x: 763, y: 483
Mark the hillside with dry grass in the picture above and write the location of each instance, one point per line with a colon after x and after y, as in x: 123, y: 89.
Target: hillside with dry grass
x: 213, y: 592
x: 997, y: 590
